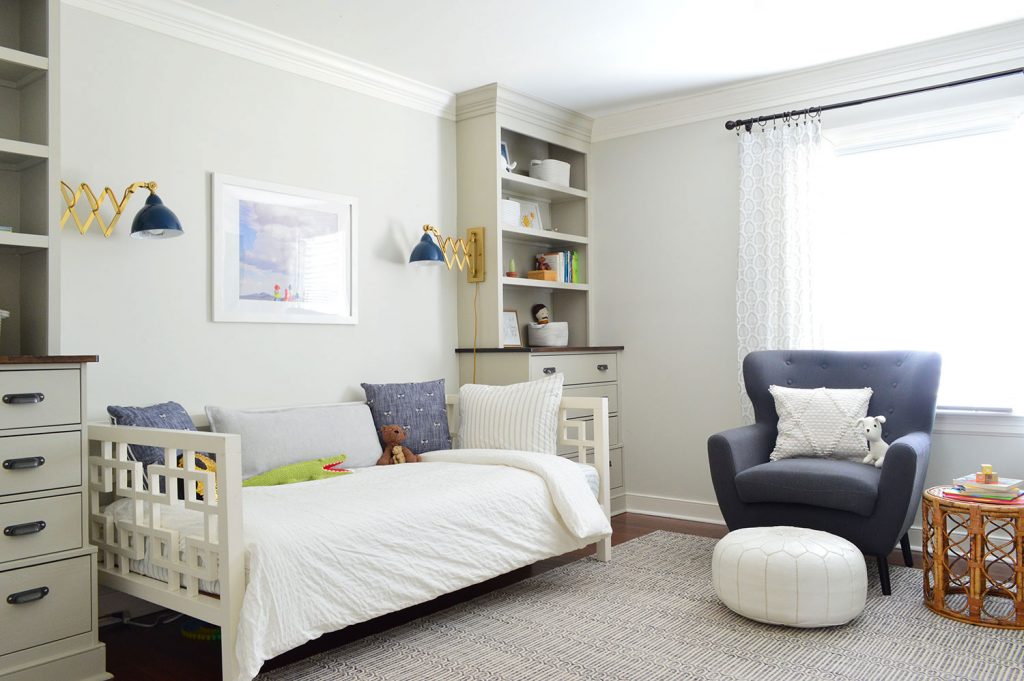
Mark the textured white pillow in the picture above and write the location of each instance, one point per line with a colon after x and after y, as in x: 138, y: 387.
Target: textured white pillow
x: 820, y: 422
x: 522, y: 416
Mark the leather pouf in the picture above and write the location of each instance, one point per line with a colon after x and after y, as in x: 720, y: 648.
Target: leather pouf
x: 790, y: 575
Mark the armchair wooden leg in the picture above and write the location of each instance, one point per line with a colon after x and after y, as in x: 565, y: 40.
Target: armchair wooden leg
x: 908, y: 557
x: 883, y: 575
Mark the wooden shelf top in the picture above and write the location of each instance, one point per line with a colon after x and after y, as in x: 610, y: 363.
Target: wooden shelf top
x: 542, y: 236
x: 16, y: 66
x: 540, y: 283
x: 47, y: 359
x: 582, y: 348
x: 524, y: 184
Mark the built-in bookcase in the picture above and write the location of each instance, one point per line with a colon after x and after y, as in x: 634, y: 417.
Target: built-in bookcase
x: 29, y: 172
x: 531, y: 129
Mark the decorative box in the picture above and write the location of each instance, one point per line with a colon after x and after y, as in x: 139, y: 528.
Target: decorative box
x: 543, y: 275
x: 550, y: 170
x: 509, y: 213
x: 550, y: 335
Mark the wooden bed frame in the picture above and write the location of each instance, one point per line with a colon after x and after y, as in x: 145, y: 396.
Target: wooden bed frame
x: 220, y: 553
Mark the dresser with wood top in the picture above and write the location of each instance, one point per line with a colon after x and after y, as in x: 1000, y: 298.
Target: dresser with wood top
x: 48, y: 618
x: 588, y: 371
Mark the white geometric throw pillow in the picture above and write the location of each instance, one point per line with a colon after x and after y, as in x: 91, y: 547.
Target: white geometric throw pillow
x: 522, y: 416
x: 820, y: 422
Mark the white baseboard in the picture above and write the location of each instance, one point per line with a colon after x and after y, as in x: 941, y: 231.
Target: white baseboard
x: 699, y: 511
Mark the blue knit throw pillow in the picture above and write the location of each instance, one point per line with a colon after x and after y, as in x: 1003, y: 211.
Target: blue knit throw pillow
x: 166, y: 415
x: 417, y: 407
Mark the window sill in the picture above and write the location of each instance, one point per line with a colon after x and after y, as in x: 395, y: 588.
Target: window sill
x: 979, y: 423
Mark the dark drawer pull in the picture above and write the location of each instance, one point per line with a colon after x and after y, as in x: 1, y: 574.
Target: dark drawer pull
x: 37, y: 594
x: 24, y: 528
x: 549, y: 370
x: 602, y: 367
x: 24, y: 398
x: 24, y: 462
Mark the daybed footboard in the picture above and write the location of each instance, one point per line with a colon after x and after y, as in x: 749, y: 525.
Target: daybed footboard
x: 217, y: 554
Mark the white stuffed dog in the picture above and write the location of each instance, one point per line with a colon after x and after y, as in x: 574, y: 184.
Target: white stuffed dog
x: 877, y: 447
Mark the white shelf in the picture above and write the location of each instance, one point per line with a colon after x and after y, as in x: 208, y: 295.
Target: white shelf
x: 524, y: 184
x: 13, y: 151
x: 539, y: 283
x: 20, y: 240
x: 15, y: 66
x: 542, y: 236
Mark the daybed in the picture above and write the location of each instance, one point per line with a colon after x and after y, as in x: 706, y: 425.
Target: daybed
x: 314, y: 557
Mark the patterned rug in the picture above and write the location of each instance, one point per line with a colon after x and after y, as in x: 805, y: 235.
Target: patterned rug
x: 651, y: 613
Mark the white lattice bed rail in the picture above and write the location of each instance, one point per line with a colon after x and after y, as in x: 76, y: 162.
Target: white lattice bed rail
x: 218, y: 553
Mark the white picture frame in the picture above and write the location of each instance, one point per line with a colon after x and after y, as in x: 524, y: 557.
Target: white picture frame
x: 511, y: 335
x: 529, y: 215
x: 283, y: 254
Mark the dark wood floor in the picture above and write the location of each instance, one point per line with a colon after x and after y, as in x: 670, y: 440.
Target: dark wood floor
x: 162, y: 654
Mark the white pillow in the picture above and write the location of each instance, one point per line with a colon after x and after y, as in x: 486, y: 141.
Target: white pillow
x: 522, y: 416
x: 820, y: 422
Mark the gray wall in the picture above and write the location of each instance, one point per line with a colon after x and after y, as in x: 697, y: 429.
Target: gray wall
x: 139, y: 105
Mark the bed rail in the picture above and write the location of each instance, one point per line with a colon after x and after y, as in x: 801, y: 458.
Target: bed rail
x: 218, y: 554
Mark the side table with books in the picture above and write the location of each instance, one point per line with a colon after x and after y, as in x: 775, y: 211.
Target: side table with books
x: 973, y: 552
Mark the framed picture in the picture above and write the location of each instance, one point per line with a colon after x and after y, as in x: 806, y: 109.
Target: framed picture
x: 506, y: 158
x: 510, y: 337
x: 282, y: 254
x: 529, y: 215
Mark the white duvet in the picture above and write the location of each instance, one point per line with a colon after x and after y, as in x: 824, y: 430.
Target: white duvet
x: 326, y: 554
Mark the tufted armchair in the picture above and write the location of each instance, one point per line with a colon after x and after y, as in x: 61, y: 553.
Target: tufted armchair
x: 871, y: 507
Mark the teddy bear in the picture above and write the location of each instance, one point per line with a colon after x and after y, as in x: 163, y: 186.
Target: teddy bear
x: 394, y: 451
x: 877, y: 447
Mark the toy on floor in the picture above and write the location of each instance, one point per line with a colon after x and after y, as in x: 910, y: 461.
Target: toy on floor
x: 877, y: 447
x: 197, y: 630
x: 394, y: 451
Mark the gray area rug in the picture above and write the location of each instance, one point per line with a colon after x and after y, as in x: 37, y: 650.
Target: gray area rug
x: 651, y: 613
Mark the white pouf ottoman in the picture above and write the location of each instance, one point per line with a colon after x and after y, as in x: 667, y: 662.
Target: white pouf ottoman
x: 790, y: 575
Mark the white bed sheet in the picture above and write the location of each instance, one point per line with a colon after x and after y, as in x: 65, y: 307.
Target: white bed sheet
x: 326, y: 554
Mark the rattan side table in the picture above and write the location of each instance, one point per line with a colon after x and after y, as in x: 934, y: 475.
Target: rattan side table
x: 973, y: 555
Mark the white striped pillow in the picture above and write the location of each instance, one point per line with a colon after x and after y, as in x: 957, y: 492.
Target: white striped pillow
x: 522, y: 416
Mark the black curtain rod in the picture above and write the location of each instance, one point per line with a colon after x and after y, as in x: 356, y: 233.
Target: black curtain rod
x: 816, y: 110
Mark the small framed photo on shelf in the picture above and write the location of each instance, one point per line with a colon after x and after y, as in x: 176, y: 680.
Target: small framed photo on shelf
x: 506, y: 159
x: 529, y: 215
x: 510, y: 335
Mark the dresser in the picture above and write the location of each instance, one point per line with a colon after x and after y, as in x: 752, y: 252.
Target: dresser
x: 48, y: 618
x: 588, y: 371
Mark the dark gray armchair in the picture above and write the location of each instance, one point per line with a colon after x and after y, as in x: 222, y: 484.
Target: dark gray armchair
x: 871, y: 507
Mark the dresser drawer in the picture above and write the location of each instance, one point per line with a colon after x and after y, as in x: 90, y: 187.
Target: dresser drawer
x: 613, y: 435
x: 609, y: 390
x: 21, y: 539
x: 589, y: 368
x: 45, y: 397
x: 65, y: 609
x: 30, y: 463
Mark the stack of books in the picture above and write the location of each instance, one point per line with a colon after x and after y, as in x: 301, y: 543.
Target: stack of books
x: 565, y: 265
x: 998, y: 491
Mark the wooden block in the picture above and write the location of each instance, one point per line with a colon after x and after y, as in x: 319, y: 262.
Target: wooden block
x: 543, y: 275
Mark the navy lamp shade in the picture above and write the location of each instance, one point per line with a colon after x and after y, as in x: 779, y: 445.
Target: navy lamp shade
x: 156, y: 221
x: 427, y: 252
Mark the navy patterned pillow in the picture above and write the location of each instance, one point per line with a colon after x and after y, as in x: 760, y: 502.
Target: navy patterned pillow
x: 417, y: 407
x: 166, y: 415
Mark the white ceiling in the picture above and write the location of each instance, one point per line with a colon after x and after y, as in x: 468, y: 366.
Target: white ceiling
x: 597, y: 56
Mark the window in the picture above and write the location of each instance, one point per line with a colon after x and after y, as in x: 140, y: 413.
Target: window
x: 922, y: 247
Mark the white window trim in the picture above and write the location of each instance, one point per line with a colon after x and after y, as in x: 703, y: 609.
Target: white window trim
x: 978, y: 423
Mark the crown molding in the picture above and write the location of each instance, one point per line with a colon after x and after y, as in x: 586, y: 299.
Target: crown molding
x: 194, y: 24
x: 494, y: 98
x: 970, y: 53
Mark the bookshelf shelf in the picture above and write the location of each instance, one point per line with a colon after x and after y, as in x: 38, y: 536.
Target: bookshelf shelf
x: 19, y: 242
x: 540, y: 237
x: 17, y: 66
x: 539, y: 283
x: 14, y: 152
x: 528, y: 186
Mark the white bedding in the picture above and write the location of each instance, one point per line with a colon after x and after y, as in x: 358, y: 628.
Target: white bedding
x: 326, y: 554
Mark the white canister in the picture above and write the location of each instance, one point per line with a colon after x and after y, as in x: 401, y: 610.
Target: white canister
x: 550, y: 170
x: 550, y: 335
x: 509, y: 213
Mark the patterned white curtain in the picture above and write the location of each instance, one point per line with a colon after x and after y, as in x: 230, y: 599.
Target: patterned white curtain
x: 779, y: 167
